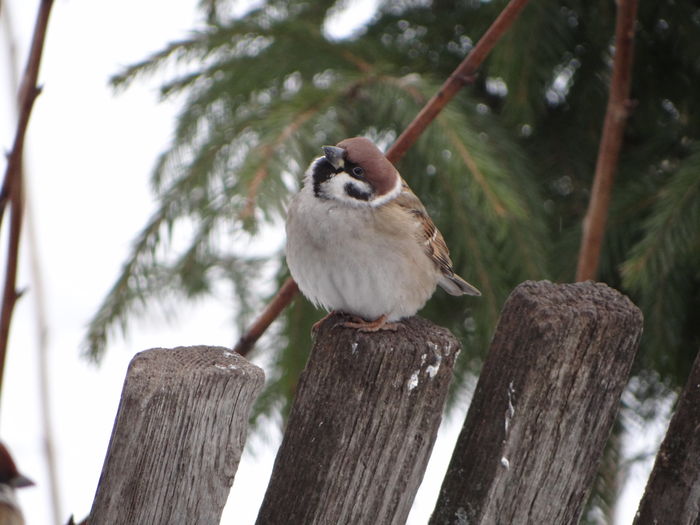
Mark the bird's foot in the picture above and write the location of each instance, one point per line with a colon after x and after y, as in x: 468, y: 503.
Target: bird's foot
x: 317, y: 324
x: 380, y: 323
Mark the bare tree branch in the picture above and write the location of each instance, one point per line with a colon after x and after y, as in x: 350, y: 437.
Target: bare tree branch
x: 40, y: 316
x: 610, y: 143
x: 279, y: 302
x: 461, y: 76
x: 464, y: 74
x: 11, y: 192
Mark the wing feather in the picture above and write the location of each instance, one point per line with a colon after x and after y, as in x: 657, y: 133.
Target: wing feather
x: 434, y: 244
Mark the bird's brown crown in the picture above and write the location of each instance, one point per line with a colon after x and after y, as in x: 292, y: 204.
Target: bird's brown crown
x: 379, y: 172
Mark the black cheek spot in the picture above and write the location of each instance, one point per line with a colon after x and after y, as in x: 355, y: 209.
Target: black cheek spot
x: 356, y: 193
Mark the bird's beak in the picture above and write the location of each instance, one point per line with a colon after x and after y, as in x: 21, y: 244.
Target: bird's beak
x: 334, y: 155
x: 21, y: 481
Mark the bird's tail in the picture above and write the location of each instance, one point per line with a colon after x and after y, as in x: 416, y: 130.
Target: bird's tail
x: 455, y: 285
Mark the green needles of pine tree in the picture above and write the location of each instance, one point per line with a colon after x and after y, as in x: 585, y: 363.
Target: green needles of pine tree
x: 662, y: 271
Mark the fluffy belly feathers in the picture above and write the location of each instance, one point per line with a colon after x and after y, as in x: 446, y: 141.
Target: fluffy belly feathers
x: 343, y: 261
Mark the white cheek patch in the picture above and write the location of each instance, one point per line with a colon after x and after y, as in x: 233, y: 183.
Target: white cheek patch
x: 343, y: 187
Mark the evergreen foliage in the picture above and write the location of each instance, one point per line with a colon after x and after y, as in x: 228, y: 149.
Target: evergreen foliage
x: 505, y: 170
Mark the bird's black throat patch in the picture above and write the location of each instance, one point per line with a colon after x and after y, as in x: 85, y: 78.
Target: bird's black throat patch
x: 322, y: 171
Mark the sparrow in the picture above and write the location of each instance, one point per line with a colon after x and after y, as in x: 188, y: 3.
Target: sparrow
x: 10, y: 479
x: 360, y: 242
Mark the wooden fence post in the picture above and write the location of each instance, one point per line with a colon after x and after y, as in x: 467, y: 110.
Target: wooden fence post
x: 672, y: 494
x: 543, y: 406
x: 362, y: 425
x: 178, y: 437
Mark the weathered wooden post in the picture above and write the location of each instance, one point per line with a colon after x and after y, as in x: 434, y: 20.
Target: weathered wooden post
x: 177, y: 438
x: 672, y: 494
x: 543, y: 406
x: 362, y: 425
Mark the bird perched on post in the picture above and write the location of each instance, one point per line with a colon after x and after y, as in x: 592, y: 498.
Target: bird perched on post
x: 10, y: 479
x: 359, y: 241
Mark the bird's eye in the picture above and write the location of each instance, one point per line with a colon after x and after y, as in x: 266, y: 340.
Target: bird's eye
x: 358, y: 172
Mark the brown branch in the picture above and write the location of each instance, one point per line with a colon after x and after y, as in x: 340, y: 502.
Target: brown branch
x: 610, y: 143
x: 279, y: 302
x: 461, y: 76
x: 12, y: 184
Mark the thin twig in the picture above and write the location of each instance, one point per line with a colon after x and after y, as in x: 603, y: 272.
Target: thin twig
x: 40, y: 317
x: 279, y: 302
x: 12, y: 185
x: 610, y: 143
x: 459, y: 78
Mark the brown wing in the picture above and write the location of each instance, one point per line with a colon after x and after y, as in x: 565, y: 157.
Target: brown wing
x: 434, y: 244
x: 429, y: 236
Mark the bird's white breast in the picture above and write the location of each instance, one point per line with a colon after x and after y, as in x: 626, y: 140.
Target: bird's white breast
x: 344, y: 258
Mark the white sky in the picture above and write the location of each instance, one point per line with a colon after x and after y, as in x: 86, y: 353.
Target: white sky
x: 89, y: 154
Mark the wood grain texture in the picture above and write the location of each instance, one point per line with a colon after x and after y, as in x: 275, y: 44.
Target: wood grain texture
x: 177, y: 438
x: 672, y: 494
x: 362, y: 425
x: 543, y: 407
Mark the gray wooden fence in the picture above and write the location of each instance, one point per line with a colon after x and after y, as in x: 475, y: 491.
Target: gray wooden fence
x: 366, y: 414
